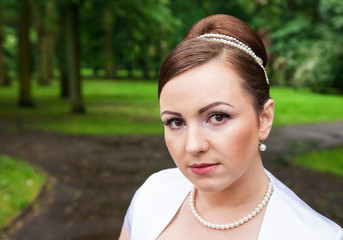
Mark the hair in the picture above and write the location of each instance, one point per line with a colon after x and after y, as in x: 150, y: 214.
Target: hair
x: 193, y: 52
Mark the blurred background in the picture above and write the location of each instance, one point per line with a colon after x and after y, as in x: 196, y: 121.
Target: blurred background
x: 79, y: 122
x: 130, y: 39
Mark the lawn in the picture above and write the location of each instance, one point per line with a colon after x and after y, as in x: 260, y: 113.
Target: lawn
x: 329, y: 161
x: 113, y: 107
x: 19, y: 185
x: 303, y: 107
x: 131, y: 107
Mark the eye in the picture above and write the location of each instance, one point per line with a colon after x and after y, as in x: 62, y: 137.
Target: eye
x: 175, y: 123
x: 218, y: 118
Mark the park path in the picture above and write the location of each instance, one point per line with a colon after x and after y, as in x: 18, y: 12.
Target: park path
x: 92, y: 179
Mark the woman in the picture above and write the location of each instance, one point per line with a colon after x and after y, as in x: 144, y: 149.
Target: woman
x: 215, y: 105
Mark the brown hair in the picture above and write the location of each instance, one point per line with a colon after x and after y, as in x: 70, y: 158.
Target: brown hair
x: 193, y: 52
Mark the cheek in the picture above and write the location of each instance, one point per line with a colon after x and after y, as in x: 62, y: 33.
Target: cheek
x: 241, y: 140
x: 247, y: 136
x: 175, y: 146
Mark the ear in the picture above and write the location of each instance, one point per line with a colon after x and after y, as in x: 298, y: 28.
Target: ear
x: 266, y: 119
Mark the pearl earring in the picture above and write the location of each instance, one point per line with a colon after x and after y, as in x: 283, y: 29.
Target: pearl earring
x: 262, y: 146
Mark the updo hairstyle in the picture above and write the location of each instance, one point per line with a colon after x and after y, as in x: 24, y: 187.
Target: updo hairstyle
x: 193, y: 52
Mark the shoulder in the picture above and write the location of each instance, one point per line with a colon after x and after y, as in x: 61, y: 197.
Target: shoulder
x: 168, y: 176
x: 163, y: 183
x: 288, y: 214
x: 156, y: 202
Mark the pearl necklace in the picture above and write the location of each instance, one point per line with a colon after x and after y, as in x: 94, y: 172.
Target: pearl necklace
x: 241, y: 221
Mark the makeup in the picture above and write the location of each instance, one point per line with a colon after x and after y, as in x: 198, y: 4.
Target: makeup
x: 203, y: 168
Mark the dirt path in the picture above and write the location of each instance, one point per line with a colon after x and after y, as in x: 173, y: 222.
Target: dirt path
x: 92, y: 179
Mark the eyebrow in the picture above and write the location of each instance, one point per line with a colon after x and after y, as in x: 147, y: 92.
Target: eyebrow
x: 200, y: 111
x: 213, y: 105
x: 172, y: 113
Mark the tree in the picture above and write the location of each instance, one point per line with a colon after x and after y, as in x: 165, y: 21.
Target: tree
x: 44, y: 18
x: 61, y: 54
x: 107, y: 42
x: 25, y: 95
x: 73, y: 55
x: 306, y: 42
x: 4, y: 79
x: 150, y: 31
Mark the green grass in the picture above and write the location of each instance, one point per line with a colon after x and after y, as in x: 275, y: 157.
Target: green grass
x: 303, y: 107
x: 113, y: 107
x: 131, y: 107
x: 19, y: 185
x: 329, y: 161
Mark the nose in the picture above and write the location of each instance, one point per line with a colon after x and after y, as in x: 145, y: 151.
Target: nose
x: 196, y: 142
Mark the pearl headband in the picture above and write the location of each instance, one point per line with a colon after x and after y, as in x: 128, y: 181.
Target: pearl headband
x: 234, y: 42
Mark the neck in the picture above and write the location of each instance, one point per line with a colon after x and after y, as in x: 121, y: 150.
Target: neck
x: 245, y: 192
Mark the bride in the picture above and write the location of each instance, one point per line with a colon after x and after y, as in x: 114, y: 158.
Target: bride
x: 215, y: 105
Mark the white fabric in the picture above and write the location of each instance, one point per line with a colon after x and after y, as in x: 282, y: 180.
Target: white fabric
x: 287, y: 217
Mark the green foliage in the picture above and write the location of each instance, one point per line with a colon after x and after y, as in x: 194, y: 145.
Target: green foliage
x: 140, y: 33
x: 9, y: 40
x: 306, y: 35
x: 329, y: 161
x: 131, y: 107
x: 307, y: 44
x: 19, y: 185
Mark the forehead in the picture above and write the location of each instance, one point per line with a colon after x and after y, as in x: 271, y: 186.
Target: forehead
x: 211, y: 82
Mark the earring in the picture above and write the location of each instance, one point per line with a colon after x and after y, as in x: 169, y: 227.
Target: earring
x: 262, y: 146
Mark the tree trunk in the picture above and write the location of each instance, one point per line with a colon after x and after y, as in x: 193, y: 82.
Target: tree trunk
x: 64, y: 83
x: 108, y: 54
x: 73, y: 59
x: 25, y: 96
x: 4, y: 79
x: 143, y: 61
x: 43, y: 66
x: 46, y: 59
x: 145, y: 70
x: 95, y: 72
x: 50, y: 39
x: 43, y: 12
x: 38, y: 25
x: 61, y: 55
x: 129, y: 72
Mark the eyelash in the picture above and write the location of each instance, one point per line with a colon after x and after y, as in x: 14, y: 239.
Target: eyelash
x: 169, y: 122
x: 224, y: 115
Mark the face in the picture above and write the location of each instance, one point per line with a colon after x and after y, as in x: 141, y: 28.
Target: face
x: 211, y: 128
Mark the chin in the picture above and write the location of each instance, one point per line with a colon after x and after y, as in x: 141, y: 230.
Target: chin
x: 209, y: 186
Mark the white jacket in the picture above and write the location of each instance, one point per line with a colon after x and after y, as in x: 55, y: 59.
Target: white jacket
x: 287, y: 217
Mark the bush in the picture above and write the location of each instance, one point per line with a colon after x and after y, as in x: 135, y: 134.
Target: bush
x: 308, y: 49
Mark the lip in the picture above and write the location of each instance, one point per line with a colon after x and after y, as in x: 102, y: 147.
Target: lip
x: 204, y: 168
